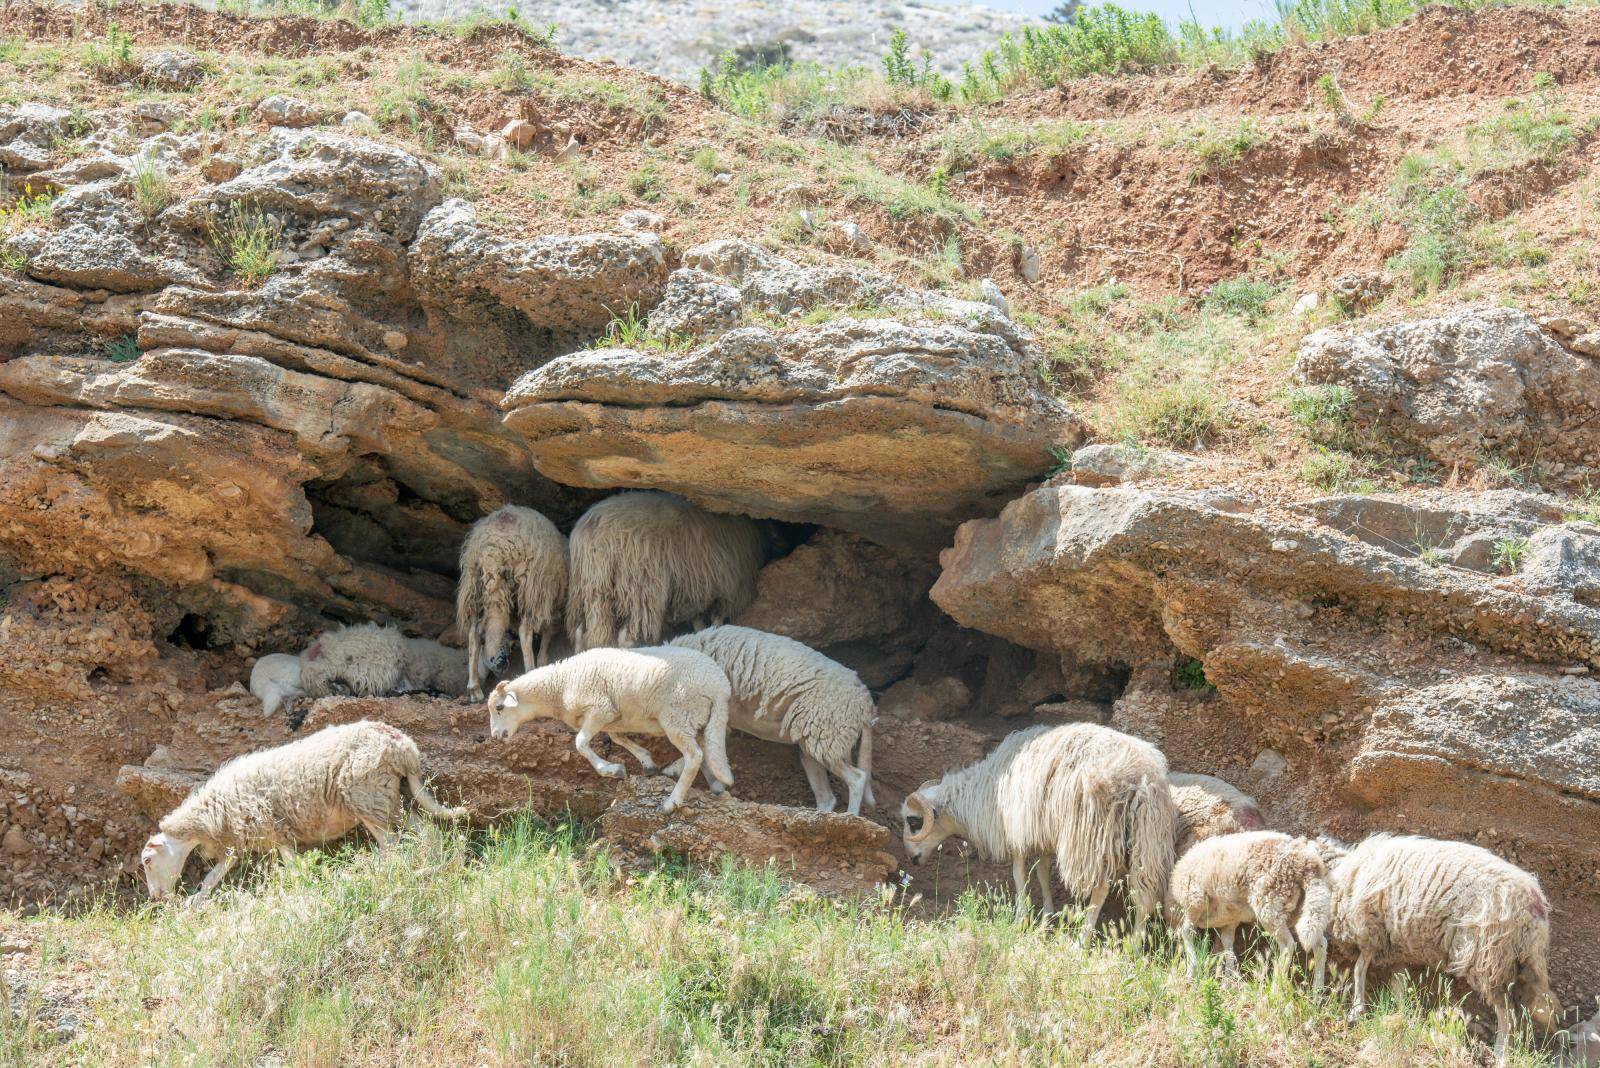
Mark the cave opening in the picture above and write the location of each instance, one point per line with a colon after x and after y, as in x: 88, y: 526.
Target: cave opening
x: 192, y: 632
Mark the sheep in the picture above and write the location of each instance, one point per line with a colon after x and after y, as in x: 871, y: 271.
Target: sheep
x: 643, y: 561
x: 787, y: 692
x: 662, y: 690
x: 1265, y: 877
x: 309, y: 791
x: 1208, y: 806
x: 1094, y: 798
x: 513, y: 567
x: 372, y: 661
x: 1580, y: 1046
x: 274, y: 679
x: 1407, y: 900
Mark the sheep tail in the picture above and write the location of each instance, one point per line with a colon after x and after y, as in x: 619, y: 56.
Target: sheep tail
x: 410, y: 760
x: 1316, y: 910
x: 1151, y: 843
x: 716, y: 738
x: 864, y: 762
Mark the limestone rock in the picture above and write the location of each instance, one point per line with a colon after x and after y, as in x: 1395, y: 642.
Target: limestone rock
x: 1473, y: 383
x: 27, y: 132
x: 942, y: 698
x: 902, y: 429
x: 90, y: 258
x: 172, y: 70
x: 1564, y: 561
x: 1109, y: 464
x: 288, y: 111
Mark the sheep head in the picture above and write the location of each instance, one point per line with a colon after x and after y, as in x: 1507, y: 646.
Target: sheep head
x: 507, y: 711
x: 925, y: 822
x: 163, y: 859
x: 1532, y: 992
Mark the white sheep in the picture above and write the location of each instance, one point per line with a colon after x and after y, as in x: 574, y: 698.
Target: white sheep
x: 680, y: 693
x: 1094, y: 798
x: 367, y: 660
x: 513, y: 568
x: 313, y: 790
x: 1209, y: 806
x: 784, y: 691
x: 644, y: 561
x: 1580, y: 1046
x: 1263, y: 877
x: 274, y: 679
x: 1407, y: 900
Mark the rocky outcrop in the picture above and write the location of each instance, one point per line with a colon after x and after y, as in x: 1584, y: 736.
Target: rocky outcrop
x: 1399, y: 692
x: 901, y: 426
x: 1479, y: 383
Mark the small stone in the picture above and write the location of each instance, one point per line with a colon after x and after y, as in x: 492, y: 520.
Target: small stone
x: 356, y: 118
x: 16, y: 843
x: 221, y: 168
x: 1029, y: 265
x: 1307, y: 303
x: 1269, y: 764
x: 519, y: 134
x: 171, y: 70
x: 845, y: 236
x: 395, y: 340
x: 640, y: 221
x: 469, y: 140
x: 994, y: 297
x: 288, y: 111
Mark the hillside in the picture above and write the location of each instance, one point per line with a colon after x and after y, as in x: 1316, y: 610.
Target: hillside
x: 1236, y: 393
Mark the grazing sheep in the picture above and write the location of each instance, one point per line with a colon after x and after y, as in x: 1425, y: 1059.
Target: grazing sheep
x: 1264, y: 877
x: 1580, y: 1046
x: 1420, y: 901
x: 313, y: 790
x: 787, y: 692
x: 680, y: 693
x: 367, y: 660
x: 1208, y: 806
x: 513, y: 567
x: 643, y: 561
x: 1094, y: 798
x: 274, y: 679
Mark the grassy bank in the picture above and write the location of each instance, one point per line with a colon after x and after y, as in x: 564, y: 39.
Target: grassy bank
x: 530, y: 946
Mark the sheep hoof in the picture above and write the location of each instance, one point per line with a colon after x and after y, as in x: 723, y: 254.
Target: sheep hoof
x: 668, y: 806
x: 612, y: 770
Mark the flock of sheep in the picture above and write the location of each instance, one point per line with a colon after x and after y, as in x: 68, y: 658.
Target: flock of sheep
x: 1098, y: 806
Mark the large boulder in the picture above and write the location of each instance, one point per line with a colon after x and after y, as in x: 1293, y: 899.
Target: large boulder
x: 1477, y: 383
x: 896, y: 428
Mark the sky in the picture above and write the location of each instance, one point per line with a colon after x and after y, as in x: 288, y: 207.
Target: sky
x: 1229, y: 13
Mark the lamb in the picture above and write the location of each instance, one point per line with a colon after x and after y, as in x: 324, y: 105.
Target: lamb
x: 1208, y: 806
x: 513, y: 567
x: 1265, y: 877
x: 787, y: 692
x: 643, y: 561
x: 1580, y: 1046
x: 372, y: 661
x: 662, y: 690
x: 274, y: 679
x: 313, y: 790
x: 1094, y: 798
x: 1419, y: 901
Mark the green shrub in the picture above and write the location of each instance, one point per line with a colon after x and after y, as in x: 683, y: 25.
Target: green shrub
x: 1243, y: 296
x: 152, y: 188
x: 124, y: 349
x: 1506, y: 554
x: 110, y: 60
x: 246, y: 239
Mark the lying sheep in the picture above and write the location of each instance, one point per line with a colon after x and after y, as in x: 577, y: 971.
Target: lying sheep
x: 644, y: 561
x: 513, y: 568
x: 787, y: 692
x: 1580, y: 1046
x: 1208, y: 806
x: 1094, y: 798
x: 274, y: 679
x: 1418, y: 901
x: 1262, y: 877
x: 313, y: 790
x: 680, y: 693
x: 367, y: 660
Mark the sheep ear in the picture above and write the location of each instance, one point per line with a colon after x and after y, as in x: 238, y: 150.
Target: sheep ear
x: 511, y: 699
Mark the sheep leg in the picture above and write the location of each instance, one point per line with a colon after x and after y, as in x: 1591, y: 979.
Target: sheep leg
x: 817, y: 776
x: 1191, y: 946
x: 475, y: 664
x: 1503, y: 1017
x: 1019, y: 879
x: 594, y: 721
x: 1358, y: 1003
x: 671, y: 770
x: 1092, y: 915
x: 525, y: 639
x: 1319, y: 966
x: 547, y: 641
x: 1230, y: 959
x: 1285, y: 944
x: 855, y: 781
x: 641, y: 754
x: 217, y: 873
x: 692, y: 756
x: 1046, y: 894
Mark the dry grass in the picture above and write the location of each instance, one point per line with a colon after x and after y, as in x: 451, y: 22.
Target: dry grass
x: 524, y: 946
